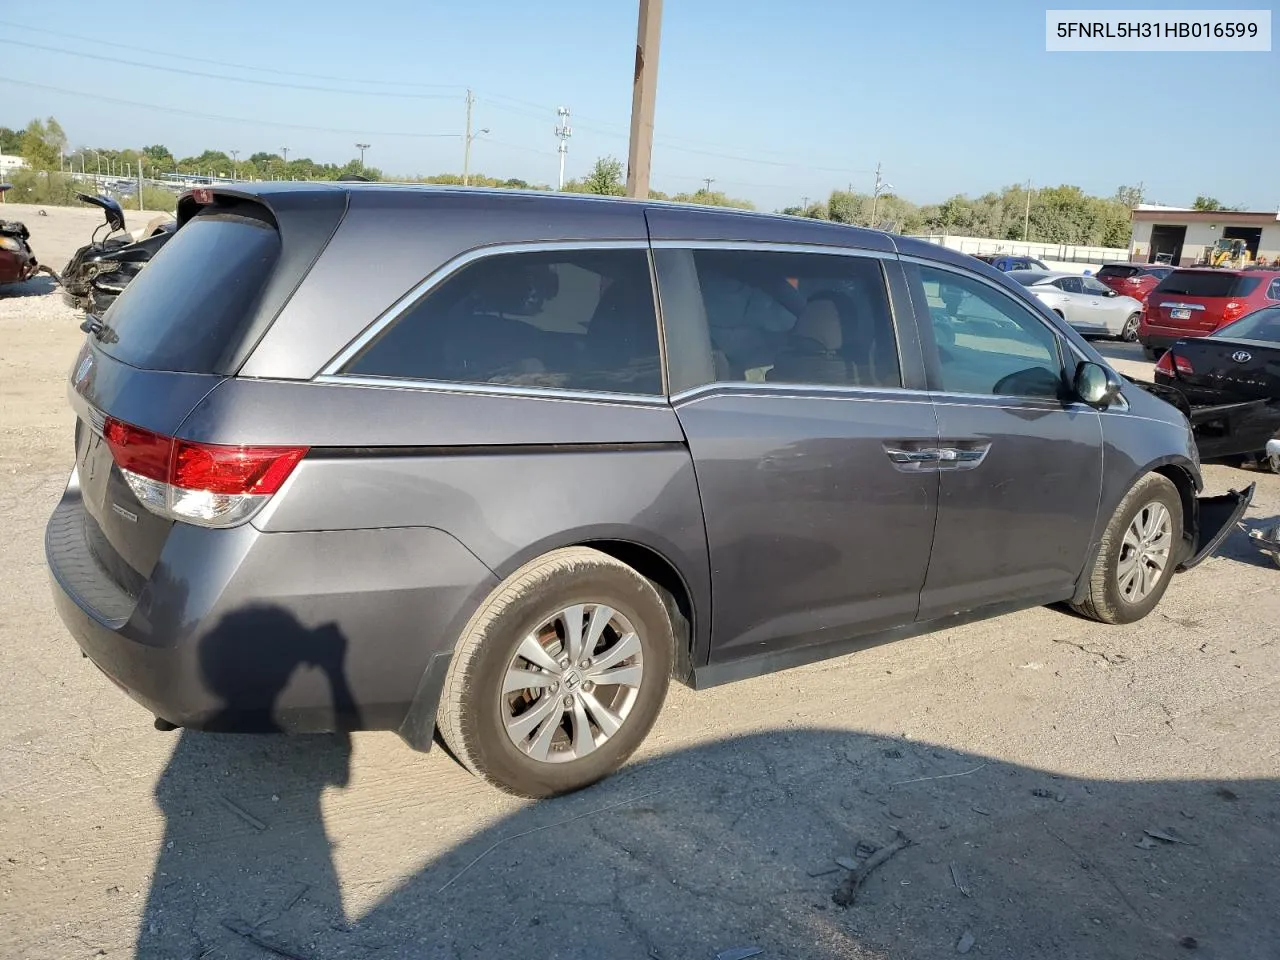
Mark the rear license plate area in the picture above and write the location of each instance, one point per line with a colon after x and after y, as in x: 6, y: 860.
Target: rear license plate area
x: 1180, y: 313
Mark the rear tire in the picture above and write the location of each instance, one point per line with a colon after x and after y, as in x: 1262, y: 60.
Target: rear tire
x: 1152, y: 353
x: 1141, y: 547
x: 1130, y: 332
x: 563, y: 726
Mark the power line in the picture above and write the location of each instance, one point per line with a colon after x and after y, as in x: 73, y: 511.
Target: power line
x: 100, y: 42
x: 222, y: 76
x: 178, y: 111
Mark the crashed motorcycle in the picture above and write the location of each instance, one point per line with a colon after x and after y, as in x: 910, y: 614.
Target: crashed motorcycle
x: 100, y: 270
x: 17, y: 260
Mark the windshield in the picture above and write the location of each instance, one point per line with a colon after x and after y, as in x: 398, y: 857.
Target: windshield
x: 1207, y: 283
x: 1261, y: 325
x: 186, y: 310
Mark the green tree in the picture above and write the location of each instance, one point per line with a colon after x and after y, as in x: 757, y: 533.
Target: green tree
x: 159, y: 159
x: 1206, y: 203
x: 1128, y: 197
x: 55, y: 136
x: 10, y: 141
x: 606, y: 178
x: 37, y: 150
x: 713, y: 198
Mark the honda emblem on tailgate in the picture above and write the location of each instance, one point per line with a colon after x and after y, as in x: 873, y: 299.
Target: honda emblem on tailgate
x: 1242, y: 356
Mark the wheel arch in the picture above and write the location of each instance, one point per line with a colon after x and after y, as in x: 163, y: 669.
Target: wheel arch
x: 1183, y: 474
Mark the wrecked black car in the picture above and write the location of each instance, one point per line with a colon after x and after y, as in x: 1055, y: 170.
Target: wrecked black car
x: 102, y: 268
x: 1228, y: 385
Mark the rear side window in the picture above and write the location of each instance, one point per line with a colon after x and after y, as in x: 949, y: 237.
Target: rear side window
x: 1207, y: 283
x: 574, y: 320
x: 1069, y: 284
x: 1114, y: 272
x: 792, y: 318
x: 187, y: 310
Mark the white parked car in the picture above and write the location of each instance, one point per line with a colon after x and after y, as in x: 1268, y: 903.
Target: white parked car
x: 1091, y: 307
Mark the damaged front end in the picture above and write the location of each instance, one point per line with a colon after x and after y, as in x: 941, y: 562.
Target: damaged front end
x: 1213, y: 519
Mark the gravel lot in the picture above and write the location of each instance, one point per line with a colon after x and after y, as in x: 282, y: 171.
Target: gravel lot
x: 1023, y: 757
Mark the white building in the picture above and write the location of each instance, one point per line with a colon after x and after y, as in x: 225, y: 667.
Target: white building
x: 9, y: 163
x: 1180, y: 236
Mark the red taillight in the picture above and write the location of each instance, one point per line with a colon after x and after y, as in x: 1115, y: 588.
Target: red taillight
x: 202, y: 195
x: 218, y: 469
x: 1183, y: 364
x: 1234, y: 310
x: 137, y: 450
x: 1165, y: 363
x: 213, y: 484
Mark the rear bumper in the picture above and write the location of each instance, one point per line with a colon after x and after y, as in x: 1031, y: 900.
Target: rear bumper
x: 249, y: 631
x: 1161, y: 338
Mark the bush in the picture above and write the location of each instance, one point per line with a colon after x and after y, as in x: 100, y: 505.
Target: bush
x: 60, y: 189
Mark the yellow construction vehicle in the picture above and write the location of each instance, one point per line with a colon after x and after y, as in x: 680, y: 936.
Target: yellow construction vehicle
x: 1232, y: 253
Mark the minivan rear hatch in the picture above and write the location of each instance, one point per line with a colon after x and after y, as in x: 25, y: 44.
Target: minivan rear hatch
x: 177, y: 331
x: 1200, y: 301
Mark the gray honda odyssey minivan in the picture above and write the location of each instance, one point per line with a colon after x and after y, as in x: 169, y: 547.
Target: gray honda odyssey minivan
x: 499, y: 465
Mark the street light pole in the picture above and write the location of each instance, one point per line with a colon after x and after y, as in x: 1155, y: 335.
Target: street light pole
x: 362, y: 147
x: 644, y: 95
x: 235, y: 166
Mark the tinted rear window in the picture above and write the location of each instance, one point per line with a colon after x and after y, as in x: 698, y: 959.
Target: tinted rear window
x: 574, y: 319
x: 1119, y: 272
x: 1207, y: 283
x: 1027, y: 277
x: 188, y: 308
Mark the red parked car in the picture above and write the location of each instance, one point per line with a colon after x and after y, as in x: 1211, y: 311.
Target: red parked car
x: 1134, y: 279
x: 1196, y: 302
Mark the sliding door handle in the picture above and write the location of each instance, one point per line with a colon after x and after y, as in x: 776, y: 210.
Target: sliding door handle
x: 926, y: 455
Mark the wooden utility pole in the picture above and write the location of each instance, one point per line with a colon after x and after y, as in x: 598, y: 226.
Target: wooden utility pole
x: 1026, y: 219
x: 140, y: 182
x: 644, y: 95
x: 466, y: 150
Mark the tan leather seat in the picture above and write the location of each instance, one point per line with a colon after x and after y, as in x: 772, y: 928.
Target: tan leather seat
x: 813, y: 348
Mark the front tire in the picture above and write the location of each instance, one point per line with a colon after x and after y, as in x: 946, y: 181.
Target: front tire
x: 559, y: 675
x: 1140, y: 550
x: 1129, y: 334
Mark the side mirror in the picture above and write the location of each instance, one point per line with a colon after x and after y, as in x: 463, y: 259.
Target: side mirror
x: 1095, y: 385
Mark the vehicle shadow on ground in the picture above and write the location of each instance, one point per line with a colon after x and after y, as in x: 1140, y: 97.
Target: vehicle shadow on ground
x: 726, y: 845
x: 37, y: 286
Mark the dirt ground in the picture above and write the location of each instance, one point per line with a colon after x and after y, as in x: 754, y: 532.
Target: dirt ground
x: 1022, y: 757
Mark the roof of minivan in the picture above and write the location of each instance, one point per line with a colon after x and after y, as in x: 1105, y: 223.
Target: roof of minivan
x: 667, y: 220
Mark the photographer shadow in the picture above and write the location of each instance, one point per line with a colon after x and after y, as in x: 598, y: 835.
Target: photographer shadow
x: 219, y: 791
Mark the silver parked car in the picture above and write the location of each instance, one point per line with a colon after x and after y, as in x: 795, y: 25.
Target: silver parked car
x: 1091, y: 307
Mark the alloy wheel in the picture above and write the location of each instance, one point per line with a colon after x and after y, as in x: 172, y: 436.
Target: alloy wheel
x: 572, y: 683
x: 1144, y: 552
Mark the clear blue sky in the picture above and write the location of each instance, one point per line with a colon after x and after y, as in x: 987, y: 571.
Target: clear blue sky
x: 776, y: 101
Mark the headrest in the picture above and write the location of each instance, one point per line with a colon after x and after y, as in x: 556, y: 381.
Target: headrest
x: 820, y: 322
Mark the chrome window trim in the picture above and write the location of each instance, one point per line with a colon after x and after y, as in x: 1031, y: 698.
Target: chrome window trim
x: 819, y: 391
x: 773, y: 246
x: 449, y: 268
x: 493, y: 389
x: 1172, y: 305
